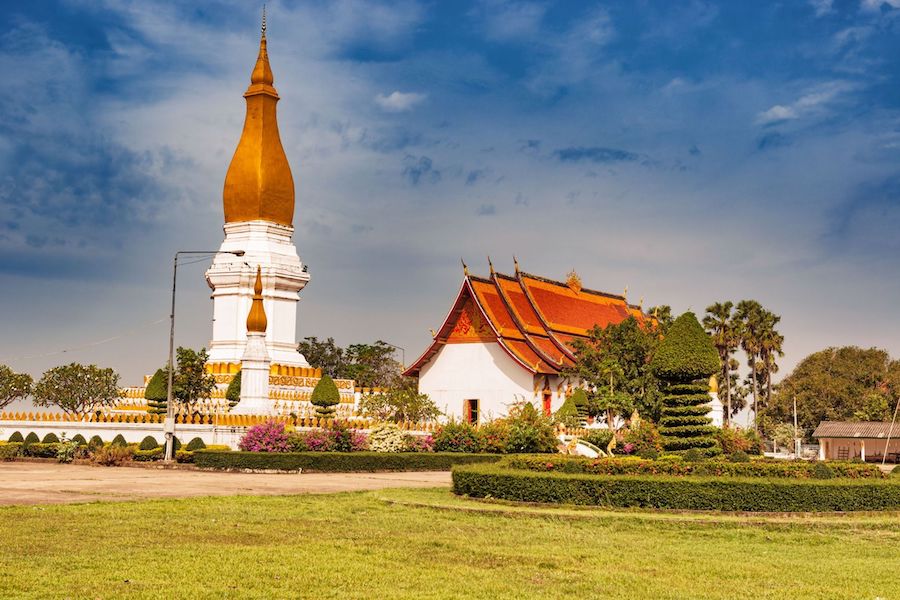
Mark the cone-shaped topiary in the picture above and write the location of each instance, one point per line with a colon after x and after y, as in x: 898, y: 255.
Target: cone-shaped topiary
x: 233, y: 393
x: 683, y: 362
x: 149, y: 443
x: 157, y: 392
x: 119, y: 440
x: 95, y: 442
x: 50, y: 438
x: 579, y: 397
x: 568, y: 413
x: 79, y: 439
x: 16, y: 438
x: 325, y: 396
x: 195, y: 444
x: 32, y: 438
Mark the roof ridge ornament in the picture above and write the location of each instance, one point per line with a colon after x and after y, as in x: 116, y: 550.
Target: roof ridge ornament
x: 573, y: 281
x: 490, y: 265
x: 465, y: 268
x: 516, y: 263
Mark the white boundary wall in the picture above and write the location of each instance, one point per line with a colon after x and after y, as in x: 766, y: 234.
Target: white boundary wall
x: 132, y: 432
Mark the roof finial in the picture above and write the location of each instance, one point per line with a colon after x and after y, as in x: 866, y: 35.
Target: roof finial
x: 641, y: 304
x: 516, y: 263
x: 625, y: 294
x: 490, y: 265
x: 256, y: 320
x: 264, y: 22
x: 465, y: 268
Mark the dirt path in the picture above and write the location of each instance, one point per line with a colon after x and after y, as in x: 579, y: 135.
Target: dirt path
x: 40, y: 483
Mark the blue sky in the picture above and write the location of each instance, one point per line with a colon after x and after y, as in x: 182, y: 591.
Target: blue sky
x: 692, y: 151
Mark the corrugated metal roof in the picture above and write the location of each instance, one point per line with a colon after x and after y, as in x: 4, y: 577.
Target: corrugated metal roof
x: 863, y: 429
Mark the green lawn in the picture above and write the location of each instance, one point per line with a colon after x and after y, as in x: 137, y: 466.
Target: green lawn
x: 382, y: 545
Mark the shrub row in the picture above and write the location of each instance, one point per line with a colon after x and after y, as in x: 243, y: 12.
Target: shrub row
x: 684, y: 493
x: 677, y: 467
x: 337, y: 461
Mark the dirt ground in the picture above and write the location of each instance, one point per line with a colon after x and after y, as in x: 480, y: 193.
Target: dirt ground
x: 49, y: 483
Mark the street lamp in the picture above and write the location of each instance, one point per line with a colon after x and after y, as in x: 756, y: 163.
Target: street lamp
x: 169, y: 424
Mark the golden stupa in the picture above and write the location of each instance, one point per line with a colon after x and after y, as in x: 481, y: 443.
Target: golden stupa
x: 259, y: 184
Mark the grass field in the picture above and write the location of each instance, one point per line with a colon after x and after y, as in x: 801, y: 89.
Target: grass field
x: 428, y: 544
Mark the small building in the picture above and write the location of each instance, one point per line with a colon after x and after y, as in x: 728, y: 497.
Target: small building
x: 865, y: 440
x: 509, y: 338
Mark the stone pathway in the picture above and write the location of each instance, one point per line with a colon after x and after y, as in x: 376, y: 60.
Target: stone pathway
x: 48, y: 483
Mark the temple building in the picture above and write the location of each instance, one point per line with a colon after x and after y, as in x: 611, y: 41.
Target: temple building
x: 508, y: 339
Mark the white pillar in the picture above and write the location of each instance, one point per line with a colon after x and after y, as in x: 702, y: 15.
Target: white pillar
x: 255, y: 378
x: 862, y: 450
x: 822, y: 443
x: 716, y: 410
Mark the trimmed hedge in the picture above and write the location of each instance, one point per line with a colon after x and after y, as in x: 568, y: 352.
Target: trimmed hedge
x: 683, y: 493
x: 50, y: 438
x: 148, y: 443
x: 16, y: 437
x: 119, y: 440
x: 41, y: 450
x: 10, y: 451
x: 338, y: 461
x: 32, y: 438
x: 79, y: 439
x: 195, y: 444
x: 779, y: 469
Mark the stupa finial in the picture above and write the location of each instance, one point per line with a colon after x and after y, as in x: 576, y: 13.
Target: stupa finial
x: 256, y: 320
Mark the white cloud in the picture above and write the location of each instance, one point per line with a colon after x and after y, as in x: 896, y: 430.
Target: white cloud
x: 504, y: 21
x: 875, y: 5
x: 822, y: 7
x: 399, y: 101
x: 810, y: 104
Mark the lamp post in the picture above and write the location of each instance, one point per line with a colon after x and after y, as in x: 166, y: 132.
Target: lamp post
x: 402, y: 352
x: 169, y: 424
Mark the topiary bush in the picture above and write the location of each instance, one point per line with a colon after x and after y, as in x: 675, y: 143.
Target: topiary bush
x: 119, y: 441
x: 16, y: 438
x: 684, y: 361
x: 50, y: 438
x: 568, y: 413
x: 148, y: 443
x: 32, y: 438
x: 233, y: 393
x: 95, y: 442
x: 739, y: 457
x: 325, y: 396
x: 195, y: 444
x: 896, y: 471
x: 79, y: 439
x: 157, y: 392
x: 346, y: 462
x: 822, y: 471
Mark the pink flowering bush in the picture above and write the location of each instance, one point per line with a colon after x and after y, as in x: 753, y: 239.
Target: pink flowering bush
x: 337, y: 438
x: 265, y: 437
x: 418, y: 443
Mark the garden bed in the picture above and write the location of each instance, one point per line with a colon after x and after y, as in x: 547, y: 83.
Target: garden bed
x: 677, y: 492
x: 336, y: 462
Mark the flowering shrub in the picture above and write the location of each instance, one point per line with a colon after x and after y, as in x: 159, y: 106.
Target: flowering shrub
x: 337, y: 438
x: 420, y: 443
x: 530, y: 431
x: 266, y: 437
x: 494, y: 436
x: 644, y: 439
x: 457, y: 437
x: 388, y: 438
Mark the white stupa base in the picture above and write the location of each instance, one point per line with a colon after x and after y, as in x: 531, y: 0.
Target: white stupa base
x: 231, y: 279
x: 716, y: 410
x: 255, y: 379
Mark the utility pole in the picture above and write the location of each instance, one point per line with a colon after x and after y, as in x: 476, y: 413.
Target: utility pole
x: 796, y: 431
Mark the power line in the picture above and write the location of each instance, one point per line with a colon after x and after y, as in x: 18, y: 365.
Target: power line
x: 89, y: 344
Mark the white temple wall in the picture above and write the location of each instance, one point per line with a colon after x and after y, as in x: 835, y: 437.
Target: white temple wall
x: 477, y: 370
x: 132, y: 432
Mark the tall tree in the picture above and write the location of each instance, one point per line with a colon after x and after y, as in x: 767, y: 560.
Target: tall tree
x: 770, y: 349
x: 77, y: 388
x: 13, y: 386
x: 724, y: 331
x: 325, y: 355
x: 373, y: 365
x: 749, y: 316
x: 191, y: 382
x: 838, y: 384
x: 663, y: 316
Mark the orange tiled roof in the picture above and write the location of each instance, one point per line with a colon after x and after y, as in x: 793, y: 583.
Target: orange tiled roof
x: 535, y: 320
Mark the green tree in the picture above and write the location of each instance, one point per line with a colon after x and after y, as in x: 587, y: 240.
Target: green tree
x: 663, y: 316
x: 157, y: 392
x: 401, y: 403
x: 77, y: 388
x: 373, y: 365
x: 192, y: 383
x: 749, y: 317
x: 724, y: 331
x: 325, y: 355
x: 684, y: 361
x: 13, y: 386
x: 839, y: 384
x: 233, y: 393
x: 613, y: 365
x: 770, y: 349
x: 325, y: 396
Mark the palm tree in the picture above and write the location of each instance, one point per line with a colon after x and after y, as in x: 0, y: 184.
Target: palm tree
x: 770, y: 347
x: 724, y: 332
x: 750, y: 315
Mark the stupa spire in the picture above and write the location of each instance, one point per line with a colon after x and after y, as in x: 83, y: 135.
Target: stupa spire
x: 256, y: 320
x: 259, y: 184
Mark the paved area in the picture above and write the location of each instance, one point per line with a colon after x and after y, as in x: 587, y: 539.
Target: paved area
x: 47, y: 483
